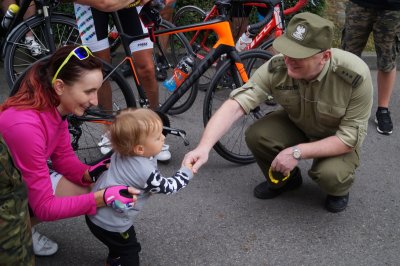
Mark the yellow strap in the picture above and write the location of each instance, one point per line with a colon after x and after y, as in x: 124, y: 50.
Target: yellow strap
x: 273, y: 180
x: 135, y: 3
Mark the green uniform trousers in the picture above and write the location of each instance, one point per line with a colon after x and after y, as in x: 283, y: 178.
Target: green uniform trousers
x: 275, y: 132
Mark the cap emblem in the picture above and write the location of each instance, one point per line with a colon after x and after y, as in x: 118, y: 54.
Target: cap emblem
x: 299, y: 33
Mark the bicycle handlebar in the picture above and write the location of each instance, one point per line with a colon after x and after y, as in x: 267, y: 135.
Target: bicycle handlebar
x: 299, y: 5
x: 253, y: 29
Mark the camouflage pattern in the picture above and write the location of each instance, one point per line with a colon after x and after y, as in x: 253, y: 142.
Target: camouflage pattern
x: 385, y: 25
x: 15, y: 231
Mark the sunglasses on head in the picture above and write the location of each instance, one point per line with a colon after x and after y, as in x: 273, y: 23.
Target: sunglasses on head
x: 81, y: 52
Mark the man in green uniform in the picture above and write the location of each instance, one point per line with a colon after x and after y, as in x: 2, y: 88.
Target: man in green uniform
x: 326, y: 95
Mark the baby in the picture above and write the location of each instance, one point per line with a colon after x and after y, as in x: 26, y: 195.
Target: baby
x: 136, y: 137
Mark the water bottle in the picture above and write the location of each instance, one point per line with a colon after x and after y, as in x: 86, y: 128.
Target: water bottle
x: 243, y: 41
x: 181, y: 72
x: 9, y: 15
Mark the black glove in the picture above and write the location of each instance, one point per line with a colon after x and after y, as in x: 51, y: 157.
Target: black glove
x: 96, y: 170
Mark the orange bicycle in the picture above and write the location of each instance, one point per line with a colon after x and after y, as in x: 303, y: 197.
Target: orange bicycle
x: 262, y: 33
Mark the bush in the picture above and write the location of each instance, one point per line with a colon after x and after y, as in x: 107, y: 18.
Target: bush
x: 206, y: 5
x: 317, y: 9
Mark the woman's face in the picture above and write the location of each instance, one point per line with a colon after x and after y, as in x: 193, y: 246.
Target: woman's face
x: 81, y: 95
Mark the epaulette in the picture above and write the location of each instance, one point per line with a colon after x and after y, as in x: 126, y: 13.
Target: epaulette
x: 349, y: 76
x: 276, y: 63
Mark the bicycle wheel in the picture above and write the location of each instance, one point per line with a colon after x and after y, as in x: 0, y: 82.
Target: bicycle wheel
x: 188, y: 15
x: 232, y: 145
x: 202, y: 43
x: 17, y: 55
x: 181, y: 47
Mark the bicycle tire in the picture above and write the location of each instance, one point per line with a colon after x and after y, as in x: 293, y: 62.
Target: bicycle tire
x: 232, y: 145
x: 191, y: 14
x: 180, y: 45
x: 85, y: 135
x: 17, y: 57
x: 187, y: 15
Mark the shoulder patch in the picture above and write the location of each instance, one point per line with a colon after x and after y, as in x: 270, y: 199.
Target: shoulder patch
x: 277, y: 63
x: 349, y: 76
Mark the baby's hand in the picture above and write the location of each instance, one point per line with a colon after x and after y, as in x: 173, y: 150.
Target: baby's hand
x: 188, y: 165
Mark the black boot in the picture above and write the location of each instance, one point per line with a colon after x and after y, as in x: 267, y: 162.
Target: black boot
x: 336, y: 203
x: 264, y: 190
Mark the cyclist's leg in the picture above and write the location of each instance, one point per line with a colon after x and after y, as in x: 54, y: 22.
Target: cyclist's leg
x: 168, y: 10
x: 142, y: 52
x: 30, y: 40
x: 92, y: 25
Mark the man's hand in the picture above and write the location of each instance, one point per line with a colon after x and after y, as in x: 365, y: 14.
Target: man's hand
x: 195, y: 158
x: 284, y: 162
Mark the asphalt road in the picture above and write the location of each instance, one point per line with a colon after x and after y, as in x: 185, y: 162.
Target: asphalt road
x: 217, y: 221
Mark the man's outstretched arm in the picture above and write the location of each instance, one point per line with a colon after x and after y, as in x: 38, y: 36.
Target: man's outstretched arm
x: 218, y: 125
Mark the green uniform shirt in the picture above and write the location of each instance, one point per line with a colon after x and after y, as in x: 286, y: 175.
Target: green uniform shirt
x: 338, y: 102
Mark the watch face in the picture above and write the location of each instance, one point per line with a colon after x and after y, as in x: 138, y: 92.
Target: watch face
x: 296, y: 153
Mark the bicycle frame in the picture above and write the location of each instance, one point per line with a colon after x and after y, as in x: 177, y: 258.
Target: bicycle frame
x: 275, y: 25
x: 274, y: 22
x: 224, y: 45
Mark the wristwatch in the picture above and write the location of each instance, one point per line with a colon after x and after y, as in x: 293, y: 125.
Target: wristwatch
x: 296, y: 152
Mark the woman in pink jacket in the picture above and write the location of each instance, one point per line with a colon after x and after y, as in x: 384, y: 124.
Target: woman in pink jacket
x: 34, y: 126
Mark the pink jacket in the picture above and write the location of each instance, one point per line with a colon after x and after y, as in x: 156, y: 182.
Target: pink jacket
x: 33, y: 137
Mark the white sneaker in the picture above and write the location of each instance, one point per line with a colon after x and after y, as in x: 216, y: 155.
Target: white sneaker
x: 42, y: 246
x: 104, y: 144
x: 164, y: 154
x: 33, y: 46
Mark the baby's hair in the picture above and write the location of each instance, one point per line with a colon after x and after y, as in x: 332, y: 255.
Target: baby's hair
x: 130, y: 128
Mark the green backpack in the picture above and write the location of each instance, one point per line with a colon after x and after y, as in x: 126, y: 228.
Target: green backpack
x: 15, y: 231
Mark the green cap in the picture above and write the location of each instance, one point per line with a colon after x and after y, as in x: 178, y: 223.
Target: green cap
x: 306, y: 35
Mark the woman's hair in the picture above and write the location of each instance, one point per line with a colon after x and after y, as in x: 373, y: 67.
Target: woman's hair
x: 36, y: 90
x: 131, y: 127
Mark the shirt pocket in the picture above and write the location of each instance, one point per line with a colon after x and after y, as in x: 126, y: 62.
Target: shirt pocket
x: 330, y: 115
x: 290, y: 101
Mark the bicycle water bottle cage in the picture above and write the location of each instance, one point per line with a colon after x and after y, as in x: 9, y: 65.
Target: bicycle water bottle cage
x: 223, y: 6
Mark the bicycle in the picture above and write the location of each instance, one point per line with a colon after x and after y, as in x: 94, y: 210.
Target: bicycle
x: 87, y: 130
x: 263, y: 32
x: 51, y: 30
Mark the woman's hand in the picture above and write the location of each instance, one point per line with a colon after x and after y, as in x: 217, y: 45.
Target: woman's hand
x: 120, y: 198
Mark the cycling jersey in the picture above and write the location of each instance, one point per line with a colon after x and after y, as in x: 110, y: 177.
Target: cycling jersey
x: 93, y: 26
